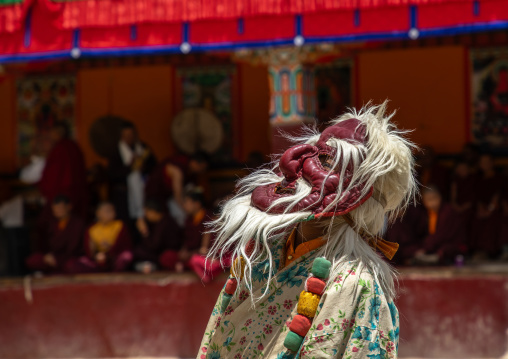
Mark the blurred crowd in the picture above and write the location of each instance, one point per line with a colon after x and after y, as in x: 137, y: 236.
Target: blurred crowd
x: 141, y: 214
x: 462, y: 215
x: 135, y: 214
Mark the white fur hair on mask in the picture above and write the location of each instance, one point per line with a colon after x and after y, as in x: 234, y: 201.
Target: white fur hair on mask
x: 384, y: 162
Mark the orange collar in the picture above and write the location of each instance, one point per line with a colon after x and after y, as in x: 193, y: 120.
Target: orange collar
x: 433, y: 217
x: 198, y: 217
x: 293, y: 254
x: 63, y: 223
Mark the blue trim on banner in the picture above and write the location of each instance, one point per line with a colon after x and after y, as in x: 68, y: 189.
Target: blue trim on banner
x: 240, y: 26
x: 359, y: 37
x: 242, y: 45
x: 298, y: 25
x: 413, y: 16
x: 356, y: 19
x: 476, y: 8
x: 76, y: 36
x: 134, y: 32
x: 491, y: 26
x: 35, y: 57
x: 185, y: 32
x: 27, y: 38
x: 152, y: 50
x: 147, y: 50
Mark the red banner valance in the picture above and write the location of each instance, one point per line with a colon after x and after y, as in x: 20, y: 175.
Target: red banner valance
x: 47, y: 29
x: 98, y: 13
x: 12, y: 14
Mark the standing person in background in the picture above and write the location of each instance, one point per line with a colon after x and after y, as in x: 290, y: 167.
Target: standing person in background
x: 108, y: 246
x: 159, y: 232
x: 126, y: 171
x: 197, y: 241
x: 169, y: 178
x: 60, y: 239
x: 64, y: 172
x: 485, y: 241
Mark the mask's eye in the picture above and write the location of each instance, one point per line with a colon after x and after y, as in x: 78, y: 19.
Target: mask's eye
x: 280, y: 189
x: 326, y: 162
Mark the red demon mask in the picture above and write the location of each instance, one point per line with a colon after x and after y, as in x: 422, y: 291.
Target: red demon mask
x: 312, y: 163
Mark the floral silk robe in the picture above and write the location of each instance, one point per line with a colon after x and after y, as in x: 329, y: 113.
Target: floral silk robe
x: 354, y: 319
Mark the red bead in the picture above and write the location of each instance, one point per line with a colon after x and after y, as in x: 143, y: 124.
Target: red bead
x: 231, y: 286
x: 300, y: 325
x: 316, y: 285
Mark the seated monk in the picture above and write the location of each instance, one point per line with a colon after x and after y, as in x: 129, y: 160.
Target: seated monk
x: 159, y: 232
x: 59, y: 241
x: 485, y: 241
x: 441, y: 230
x: 197, y: 240
x: 402, y: 231
x: 463, y: 193
x: 504, y: 227
x: 429, y: 171
x: 108, y: 245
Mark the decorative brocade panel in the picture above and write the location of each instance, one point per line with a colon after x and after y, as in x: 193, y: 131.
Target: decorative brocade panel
x: 293, y: 95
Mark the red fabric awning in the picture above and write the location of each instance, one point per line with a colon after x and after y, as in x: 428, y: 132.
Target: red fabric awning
x: 42, y: 29
x: 99, y: 13
x: 12, y: 15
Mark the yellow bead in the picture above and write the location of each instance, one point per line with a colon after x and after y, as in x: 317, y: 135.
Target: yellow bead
x: 238, y: 265
x: 308, y: 304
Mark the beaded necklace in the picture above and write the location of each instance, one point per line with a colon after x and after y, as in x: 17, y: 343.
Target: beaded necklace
x: 308, y: 301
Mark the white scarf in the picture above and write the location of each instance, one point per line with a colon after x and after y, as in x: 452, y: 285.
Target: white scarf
x: 135, y: 182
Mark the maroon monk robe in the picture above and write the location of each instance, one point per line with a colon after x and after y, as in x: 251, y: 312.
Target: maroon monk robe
x: 486, y: 231
x: 464, y: 189
x: 163, y: 235
x: 504, y: 220
x: 449, y: 238
x: 118, y: 257
x: 205, y: 269
x: 193, y: 234
x: 403, y: 231
x: 64, y: 242
x: 65, y: 174
x: 160, y: 186
x: 435, y: 175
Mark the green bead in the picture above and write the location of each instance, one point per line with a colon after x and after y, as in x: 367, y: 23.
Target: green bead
x: 226, y: 298
x: 321, y: 268
x: 293, y: 341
